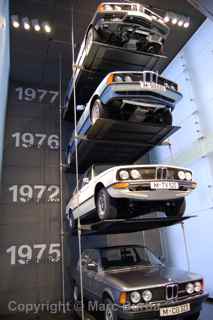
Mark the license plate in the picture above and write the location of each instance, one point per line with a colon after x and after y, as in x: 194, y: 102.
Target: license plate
x: 173, y: 311
x: 164, y: 185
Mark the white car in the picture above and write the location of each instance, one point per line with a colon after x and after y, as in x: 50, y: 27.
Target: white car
x: 107, y: 192
x: 132, y: 96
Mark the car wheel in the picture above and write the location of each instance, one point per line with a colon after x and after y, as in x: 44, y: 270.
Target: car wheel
x: 176, y: 210
x: 92, y: 36
x: 163, y: 117
x: 109, y: 313
x: 154, y: 48
x: 106, y: 206
x: 71, y: 220
x: 97, y: 111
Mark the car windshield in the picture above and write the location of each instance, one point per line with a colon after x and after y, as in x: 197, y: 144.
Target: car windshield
x: 122, y: 257
x: 99, y: 168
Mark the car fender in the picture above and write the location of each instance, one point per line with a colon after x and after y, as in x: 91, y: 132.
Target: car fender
x: 108, y: 292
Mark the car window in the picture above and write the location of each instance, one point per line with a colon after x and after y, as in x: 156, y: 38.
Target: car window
x: 127, y: 256
x: 101, y: 168
x: 88, y: 174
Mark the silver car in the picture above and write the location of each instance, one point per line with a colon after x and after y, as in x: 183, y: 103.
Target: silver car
x: 129, y: 282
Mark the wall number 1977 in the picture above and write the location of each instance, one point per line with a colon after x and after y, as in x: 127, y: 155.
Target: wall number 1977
x: 41, y: 95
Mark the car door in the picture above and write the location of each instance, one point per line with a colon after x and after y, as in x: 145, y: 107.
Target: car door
x: 93, y: 283
x: 86, y: 193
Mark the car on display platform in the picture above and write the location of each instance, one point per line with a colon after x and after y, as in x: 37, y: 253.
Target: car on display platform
x: 106, y: 192
x: 138, y: 97
x: 128, y: 25
x: 132, y: 283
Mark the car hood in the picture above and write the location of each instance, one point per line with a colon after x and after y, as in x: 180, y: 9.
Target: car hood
x: 142, y: 277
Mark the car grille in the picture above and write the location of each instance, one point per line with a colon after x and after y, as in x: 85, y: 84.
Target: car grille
x: 153, y: 173
x: 171, y: 291
x: 153, y: 78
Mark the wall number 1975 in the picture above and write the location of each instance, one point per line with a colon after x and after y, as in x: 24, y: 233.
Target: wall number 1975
x: 25, y: 253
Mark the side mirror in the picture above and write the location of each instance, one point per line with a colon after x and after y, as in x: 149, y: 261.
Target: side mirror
x: 92, y: 266
x: 80, y: 107
x: 85, y: 180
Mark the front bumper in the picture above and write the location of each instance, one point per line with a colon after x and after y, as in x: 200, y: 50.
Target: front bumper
x: 138, y: 92
x: 195, y: 307
x: 147, y: 194
x: 121, y: 20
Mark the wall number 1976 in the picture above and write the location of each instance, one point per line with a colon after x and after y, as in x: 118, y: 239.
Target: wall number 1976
x: 37, y: 140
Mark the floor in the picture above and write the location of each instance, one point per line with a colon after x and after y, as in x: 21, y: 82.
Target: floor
x: 207, y: 312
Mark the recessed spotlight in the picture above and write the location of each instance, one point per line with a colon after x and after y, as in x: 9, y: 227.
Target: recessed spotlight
x: 174, y: 21
x: 26, y: 23
x: 46, y: 27
x: 15, y: 21
x: 180, y: 23
x: 36, y: 25
x: 166, y: 19
x: 186, y: 24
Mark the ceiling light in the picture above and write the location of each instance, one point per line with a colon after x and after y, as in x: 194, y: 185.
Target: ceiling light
x: 26, y: 23
x: 186, y: 24
x: 36, y: 25
x: 180, y: 23
x: 46, y: 27
x: 174, y: 20
x: 15, y: 21
x: 166, y: 18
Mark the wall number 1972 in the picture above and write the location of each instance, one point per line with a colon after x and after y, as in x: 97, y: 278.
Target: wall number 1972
x: 37, y: 193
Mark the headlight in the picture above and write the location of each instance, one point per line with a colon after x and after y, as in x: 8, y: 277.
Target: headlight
x: 188, y: 176
x: 190, y: 288
x: 135, y: 297
x: 135, y: 174
x: 118, y: 79
x: 198, y: 286
x: 147, y: 295
x: 128, y: 79
x: 117, y: 8
x: 124, y: 175
x: 107, y: 7
x: 181, y: 175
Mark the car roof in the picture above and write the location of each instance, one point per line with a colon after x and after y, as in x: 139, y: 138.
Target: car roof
x: 120, y: 246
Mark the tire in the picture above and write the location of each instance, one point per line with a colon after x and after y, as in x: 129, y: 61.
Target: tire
x: 71, y: 221
x: 109, y: 313
x: 76, y: 294
x: 162, y: 117
x: 92, y: 36
x: 105, y: 206
x: 194, y: 316
x: 176, y: 210
x: 98, y: 111
x: 154, y: 48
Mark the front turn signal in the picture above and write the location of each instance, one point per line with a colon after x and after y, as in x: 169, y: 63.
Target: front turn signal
x: 110, y: 79
x: 123, y: 298
x: 121, y: 185
x: 100, y: 8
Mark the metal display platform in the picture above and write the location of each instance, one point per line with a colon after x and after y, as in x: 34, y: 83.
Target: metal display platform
x: 130, y: 225
x: 101, y: 60
x: 119, y: 142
